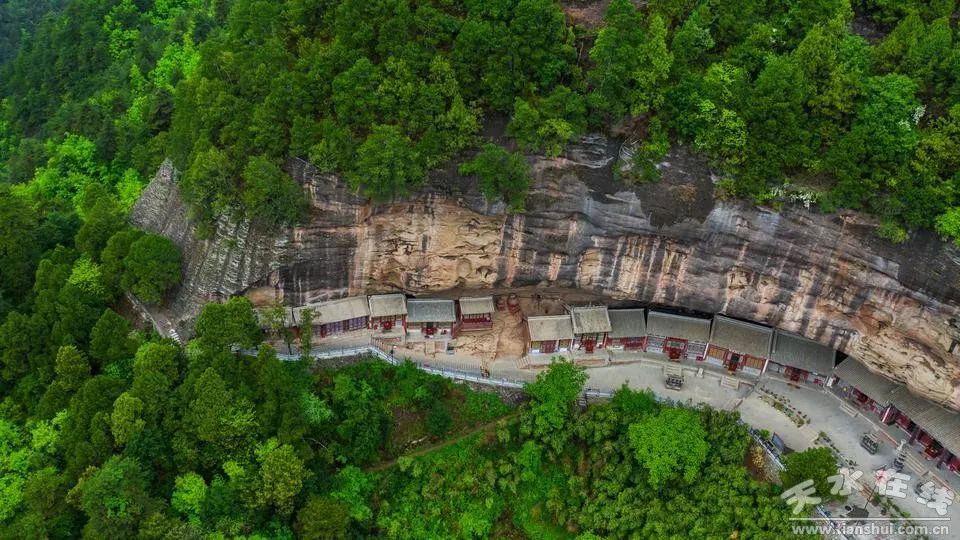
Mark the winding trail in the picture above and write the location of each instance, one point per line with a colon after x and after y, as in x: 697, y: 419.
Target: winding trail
x: 384, y: 465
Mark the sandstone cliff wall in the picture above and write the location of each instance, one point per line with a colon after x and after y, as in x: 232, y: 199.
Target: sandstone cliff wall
x: 669, y: 244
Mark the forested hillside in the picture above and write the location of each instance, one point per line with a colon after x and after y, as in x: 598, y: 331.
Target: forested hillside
x: 824, y: 102
x: 139, y: 439
x: 18, y: 19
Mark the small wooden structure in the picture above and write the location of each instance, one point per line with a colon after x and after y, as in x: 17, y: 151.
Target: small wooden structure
x: 388, y: 315
x: 591, y: 324
x: 628, y: 330
x: 739, y: 346
x: 476, y: 313
x: 430, y: 318
x: 677, y: 336
x: 549, y: 334
x: 800, y: 359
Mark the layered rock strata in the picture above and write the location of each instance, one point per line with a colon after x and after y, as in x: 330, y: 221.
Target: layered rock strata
x: 672, y: 243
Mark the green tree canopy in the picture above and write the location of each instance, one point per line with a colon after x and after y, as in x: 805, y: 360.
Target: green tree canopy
x: 19, y: 249
x: 115, y: 498
x: 110, y: 339
x: 552, y: 399
x: 151, y: 267
x: 281, y: 475
x: 270, y: 196
x: 502, y: 174
x: 232, y: 323
x: 815, y: 464
x: 387, y: 164
x: 671, y: 445
x: 322, y: 518
x: 189, y: 493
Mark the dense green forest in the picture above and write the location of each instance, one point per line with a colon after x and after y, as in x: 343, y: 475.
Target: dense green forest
x: 830, y: 103
x: 18, y: 19
x: 134, y: 437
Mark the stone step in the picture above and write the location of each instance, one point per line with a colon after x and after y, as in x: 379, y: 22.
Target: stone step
x: 913, y: 463
x: 847, y: 408
x: 582, y: 401
x: 730, y: 382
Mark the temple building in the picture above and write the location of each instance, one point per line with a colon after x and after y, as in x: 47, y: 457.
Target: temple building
x: 800, y: 359
x: 430, y: 318
x: 628, y: 330
x: 932, y: 430
x: 591, y: 324
x: 340, y: 316
x: 869, y: 391
x: 677, y: 336
x: 388, y: 316
x: 476, y: 313
x: 739, y: 346
x: 549, y: 334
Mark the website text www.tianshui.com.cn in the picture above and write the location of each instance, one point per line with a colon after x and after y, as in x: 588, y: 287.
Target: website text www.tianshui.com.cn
x: 872, y: 529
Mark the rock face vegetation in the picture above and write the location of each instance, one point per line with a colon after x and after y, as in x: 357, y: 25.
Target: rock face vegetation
x: 108, y: 430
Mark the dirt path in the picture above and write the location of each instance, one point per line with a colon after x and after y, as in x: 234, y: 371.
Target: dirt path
x: 443, y: 444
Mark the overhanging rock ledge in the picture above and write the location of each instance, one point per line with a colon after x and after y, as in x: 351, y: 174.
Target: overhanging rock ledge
x: 828, y: 277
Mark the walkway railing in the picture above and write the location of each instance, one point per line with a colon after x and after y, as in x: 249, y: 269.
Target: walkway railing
x: 371, y: 350
x: 455, y: 374
x: 460, y: 375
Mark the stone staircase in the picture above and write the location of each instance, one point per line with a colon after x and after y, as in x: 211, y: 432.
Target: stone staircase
x: 849, y: 409
x: 911, y: 462
x: 730, y: 382
x: 582, y: 401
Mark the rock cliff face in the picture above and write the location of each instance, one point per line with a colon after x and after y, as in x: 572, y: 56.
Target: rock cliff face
x: 667, y: 244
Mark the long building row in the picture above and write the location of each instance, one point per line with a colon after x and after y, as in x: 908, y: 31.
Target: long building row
x: 741, y: 347
x: 752, y: 349
x: 737, y: 346
x: 395, y: 318
x: 925, y: 425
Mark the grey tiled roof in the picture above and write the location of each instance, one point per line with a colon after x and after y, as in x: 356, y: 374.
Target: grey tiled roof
x: 477, y: 305
x: 741, y: 337
x: 799, y: 352
x: 856, y: 374
x: 942, y: 424
x: 551, y: 327
x: 386, y: 305
x: 421, y: 310
x: 627, y: 323
x: 678, y: 326
x: 590, y: 319
x: 343, y: 309
x: 910, y: 404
